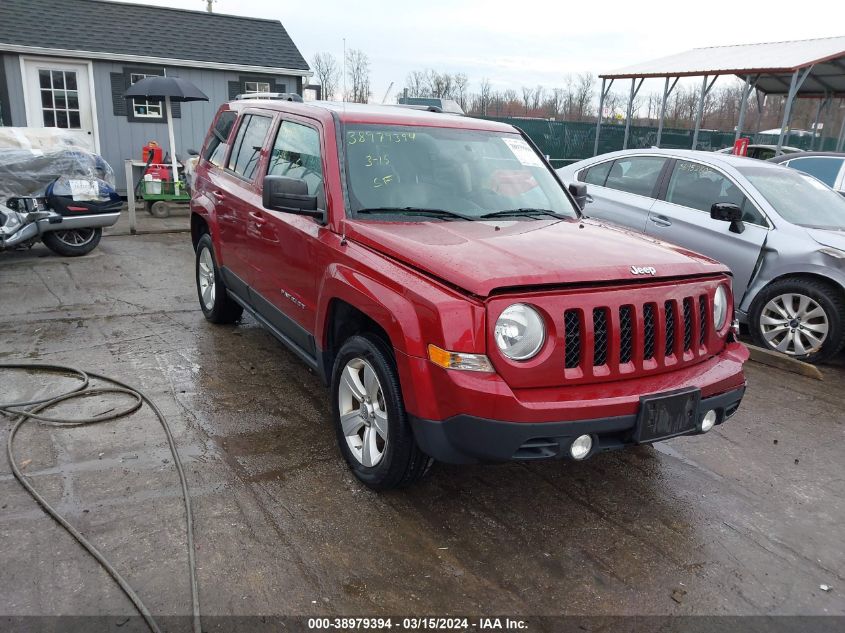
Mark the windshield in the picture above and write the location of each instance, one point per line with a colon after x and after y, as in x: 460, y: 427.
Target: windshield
x: 421, y: 173
x: 798, y: 198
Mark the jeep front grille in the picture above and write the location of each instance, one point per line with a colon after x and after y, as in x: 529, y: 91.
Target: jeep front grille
x: 572, y: 339
x: 600, y: 338
x: 626, y: 334
x: 610, y: 333
x: 649, y: 332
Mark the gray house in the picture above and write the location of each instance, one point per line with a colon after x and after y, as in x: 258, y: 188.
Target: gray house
x: 66, y: 63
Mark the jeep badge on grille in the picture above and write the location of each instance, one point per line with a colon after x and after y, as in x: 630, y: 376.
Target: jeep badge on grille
x: 643, y: 270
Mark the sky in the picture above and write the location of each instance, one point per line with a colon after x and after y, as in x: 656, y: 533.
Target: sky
x: 527, y: 42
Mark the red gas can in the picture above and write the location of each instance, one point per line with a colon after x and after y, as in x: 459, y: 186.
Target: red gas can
x: 154, y: 149
x: 159, y: 172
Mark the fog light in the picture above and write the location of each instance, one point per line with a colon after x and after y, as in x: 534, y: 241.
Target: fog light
x: 581, y: 447
x: 707, y: 421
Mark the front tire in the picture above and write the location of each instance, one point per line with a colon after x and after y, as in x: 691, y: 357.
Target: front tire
x: 216, y: 304
x: 802, y: 318
x: 72, y: 242
x: 370, y: 419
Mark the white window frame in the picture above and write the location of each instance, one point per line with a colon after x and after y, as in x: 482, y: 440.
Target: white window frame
x: 259, y: 87
x: 146, y: 103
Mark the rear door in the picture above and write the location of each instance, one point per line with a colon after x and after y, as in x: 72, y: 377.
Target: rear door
x: 623, y: 190
x: 236, y: 196
x: 682, y: 216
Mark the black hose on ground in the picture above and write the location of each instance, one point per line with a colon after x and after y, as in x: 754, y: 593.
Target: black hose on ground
x: 21, y: 412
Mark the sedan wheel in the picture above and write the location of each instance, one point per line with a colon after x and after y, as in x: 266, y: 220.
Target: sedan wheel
x: 794, y: 324
x: 363, y: 413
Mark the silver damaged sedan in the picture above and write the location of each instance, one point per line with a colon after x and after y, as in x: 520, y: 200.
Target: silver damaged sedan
x: 781, y: 232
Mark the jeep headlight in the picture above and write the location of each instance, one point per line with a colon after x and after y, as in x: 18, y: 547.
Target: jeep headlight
x: 720, y: 308
x: 520, y: 332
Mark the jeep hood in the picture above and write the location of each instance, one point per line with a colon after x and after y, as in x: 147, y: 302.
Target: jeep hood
x: 482, y: 256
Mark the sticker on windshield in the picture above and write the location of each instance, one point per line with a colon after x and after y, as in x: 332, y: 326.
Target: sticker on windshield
x: 523, y: 152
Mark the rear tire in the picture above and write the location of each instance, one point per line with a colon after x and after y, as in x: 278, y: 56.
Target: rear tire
x: 372, y: 426
x: 72, y: 242
x: 215, y: 302
x: 802, y: 318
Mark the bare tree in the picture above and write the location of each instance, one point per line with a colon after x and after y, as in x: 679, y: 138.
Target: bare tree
x: 484, y: 96
x: 555, y: 102
x: 583, y: 96
x: 526, y: 98
x: 327, y: 73
x: 461, y: 83
x: 358, y: 73
x: 415, y: 84
x: 537, y: 98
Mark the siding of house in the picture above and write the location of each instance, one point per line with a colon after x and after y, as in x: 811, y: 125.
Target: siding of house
x: 121, y: 139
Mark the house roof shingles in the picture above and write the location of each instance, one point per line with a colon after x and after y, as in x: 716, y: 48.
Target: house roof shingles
x: 120, y: 28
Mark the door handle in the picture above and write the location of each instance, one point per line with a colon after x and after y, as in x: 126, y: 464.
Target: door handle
x: 661, y: 220
x: 217, y: 196
x: 257, y: 217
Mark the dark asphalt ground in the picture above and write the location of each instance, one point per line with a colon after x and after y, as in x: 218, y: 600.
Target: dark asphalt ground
x: 745, y: 520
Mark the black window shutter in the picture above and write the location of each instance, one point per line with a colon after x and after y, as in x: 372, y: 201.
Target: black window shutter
x: 118, y: 87
x: 234, y: 89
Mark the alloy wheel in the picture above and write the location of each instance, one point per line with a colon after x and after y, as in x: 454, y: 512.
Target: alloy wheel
x: 75, y: 237
x: 363, y: 412
x: 794, y: 324
x: 205, y: 278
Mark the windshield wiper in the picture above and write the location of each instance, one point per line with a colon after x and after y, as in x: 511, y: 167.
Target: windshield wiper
x: 523, y: 211
x: 435, y: 213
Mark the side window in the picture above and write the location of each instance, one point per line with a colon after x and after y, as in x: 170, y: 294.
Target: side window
x: 246, y: 150
x: 637, y: 174
x: 699, y: 187
x: 825, y: 168
x: 216, y: 148
x: 597, y: 174
x: 296, y: 154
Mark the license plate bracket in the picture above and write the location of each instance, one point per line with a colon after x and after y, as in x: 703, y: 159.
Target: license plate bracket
x: 666, y: 415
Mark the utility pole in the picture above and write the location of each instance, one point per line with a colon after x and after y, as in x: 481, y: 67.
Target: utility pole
x: 344, y: 69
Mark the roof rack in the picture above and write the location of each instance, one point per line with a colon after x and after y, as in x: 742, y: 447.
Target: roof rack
x: 415, y: 106
x: 275, y: 96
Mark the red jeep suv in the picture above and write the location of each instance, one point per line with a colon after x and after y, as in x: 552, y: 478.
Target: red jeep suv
x: 437, y: 275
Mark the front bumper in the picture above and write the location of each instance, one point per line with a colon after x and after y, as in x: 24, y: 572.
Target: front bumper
x: 466, y: 439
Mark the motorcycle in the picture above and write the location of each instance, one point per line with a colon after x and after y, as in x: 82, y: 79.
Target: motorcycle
x: 63, y: 198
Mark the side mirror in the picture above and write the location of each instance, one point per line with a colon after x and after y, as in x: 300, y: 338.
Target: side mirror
x: 728, y: 212
x: 193, y: 152
x: 579, y: 192
x: 290, y: 195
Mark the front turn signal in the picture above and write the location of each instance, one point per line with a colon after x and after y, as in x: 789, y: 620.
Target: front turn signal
x: 459, y: 360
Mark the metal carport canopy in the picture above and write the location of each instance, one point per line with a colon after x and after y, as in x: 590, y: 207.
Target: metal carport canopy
x: 804, y: 68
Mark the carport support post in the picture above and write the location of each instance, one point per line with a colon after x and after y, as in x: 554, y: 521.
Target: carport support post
x: 666, y: 91
x: 699, y: 113
x: 743, y: 106
x: 819, y: 109
x: 794, y: 86
x: 172, y: 143
x: 602, y: 95
x: 635, y: 88
x: 841, y: 140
